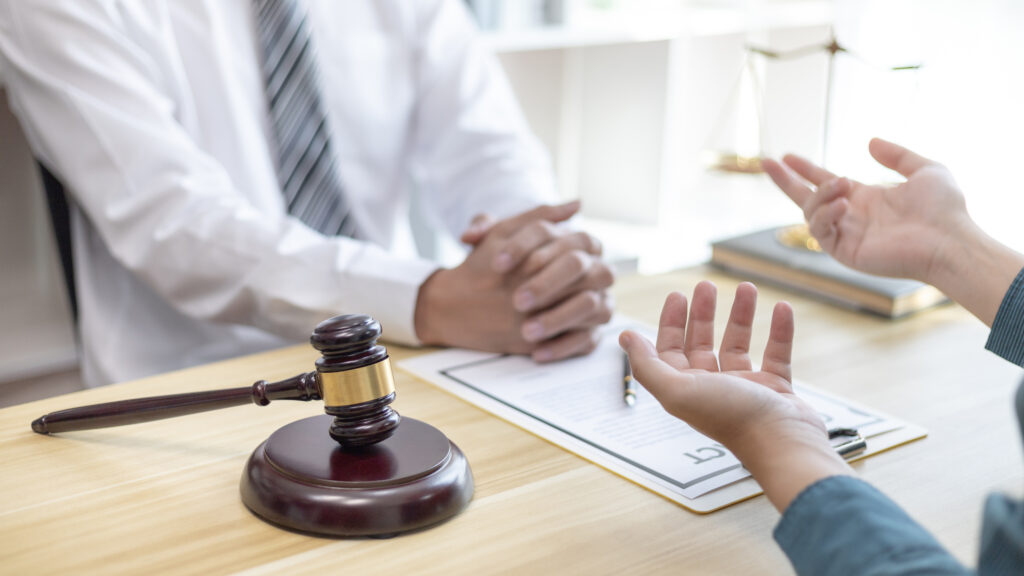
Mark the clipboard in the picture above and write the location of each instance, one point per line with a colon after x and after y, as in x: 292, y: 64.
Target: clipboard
x: 619, y: 438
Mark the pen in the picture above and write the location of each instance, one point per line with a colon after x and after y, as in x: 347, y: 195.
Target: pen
x: 629, y: 385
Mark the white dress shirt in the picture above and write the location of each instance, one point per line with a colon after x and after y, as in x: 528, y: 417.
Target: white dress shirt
x: 153, y: 115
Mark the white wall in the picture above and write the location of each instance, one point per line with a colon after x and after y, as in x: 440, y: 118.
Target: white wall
x: 963, y: 108
x: 647, y: 189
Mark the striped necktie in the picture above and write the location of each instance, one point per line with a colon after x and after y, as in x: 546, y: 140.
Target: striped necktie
x: 306, y: 166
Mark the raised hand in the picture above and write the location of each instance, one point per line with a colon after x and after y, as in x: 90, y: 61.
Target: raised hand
x: 917, y: 229
x: 753, y: 413
x: 899, y: 230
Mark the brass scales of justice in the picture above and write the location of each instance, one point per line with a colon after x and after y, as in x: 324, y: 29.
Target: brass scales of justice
x: 358, y: 470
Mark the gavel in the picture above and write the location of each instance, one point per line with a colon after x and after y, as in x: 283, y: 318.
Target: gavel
x: 353, y: 377
x: 359, y: 470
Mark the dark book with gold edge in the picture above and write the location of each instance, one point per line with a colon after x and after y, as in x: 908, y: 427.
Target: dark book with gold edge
x: 789, y: 257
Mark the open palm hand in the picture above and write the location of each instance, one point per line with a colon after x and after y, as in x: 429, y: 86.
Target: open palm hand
x: 722, y: 396
x: 888, y: 230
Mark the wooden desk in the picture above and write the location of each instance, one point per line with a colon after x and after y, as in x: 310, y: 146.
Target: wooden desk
x: 163, y: 497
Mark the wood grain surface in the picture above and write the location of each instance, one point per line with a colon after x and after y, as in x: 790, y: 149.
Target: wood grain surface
x: 162, y: 497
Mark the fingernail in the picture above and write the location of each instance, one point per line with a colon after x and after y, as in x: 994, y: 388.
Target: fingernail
x: 625, y: 339
x: 524, y: 300
x: 502, y: 262
x: 533, y: 331
x: 543, y: 355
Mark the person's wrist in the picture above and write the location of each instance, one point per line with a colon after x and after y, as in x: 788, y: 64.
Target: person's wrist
x: 955, y: 252
x: 429, y: 308
x: 788, y: 460
x: 969, y: 254
x: 757, y: 446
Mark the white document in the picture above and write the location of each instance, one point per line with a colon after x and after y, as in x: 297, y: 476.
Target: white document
x: 578, y: 404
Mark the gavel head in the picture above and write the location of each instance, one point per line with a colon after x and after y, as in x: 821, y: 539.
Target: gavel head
x: 355, y: 380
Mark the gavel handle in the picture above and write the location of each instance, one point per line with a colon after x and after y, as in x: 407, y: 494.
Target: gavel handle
x: 303, y: 387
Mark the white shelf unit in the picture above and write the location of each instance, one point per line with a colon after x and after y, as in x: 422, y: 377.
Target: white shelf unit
x: 627, y: 100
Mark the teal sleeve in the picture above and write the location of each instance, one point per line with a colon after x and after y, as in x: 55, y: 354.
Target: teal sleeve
x: 1002, y: 531
x: 842, y: 525
x: 1007, y: 336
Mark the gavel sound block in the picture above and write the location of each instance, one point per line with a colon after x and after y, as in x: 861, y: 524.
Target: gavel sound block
x: 359, y: 470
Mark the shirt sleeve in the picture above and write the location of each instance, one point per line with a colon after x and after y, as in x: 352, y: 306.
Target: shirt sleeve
x: 474, y: 151
x: 98, y: 97
x: 1007, y: 336
x: 1002, y: 531
x: 1002, y: 537
x: 842, y: 525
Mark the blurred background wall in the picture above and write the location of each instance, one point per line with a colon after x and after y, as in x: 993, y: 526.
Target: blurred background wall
x: 635, y: 100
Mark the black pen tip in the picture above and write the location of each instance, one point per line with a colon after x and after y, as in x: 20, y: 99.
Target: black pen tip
x: 39, y: 426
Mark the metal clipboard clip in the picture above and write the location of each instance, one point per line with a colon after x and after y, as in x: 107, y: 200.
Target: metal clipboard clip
x: 856, y: 444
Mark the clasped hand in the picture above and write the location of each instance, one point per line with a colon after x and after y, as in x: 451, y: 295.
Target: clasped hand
x: 529, y: 286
